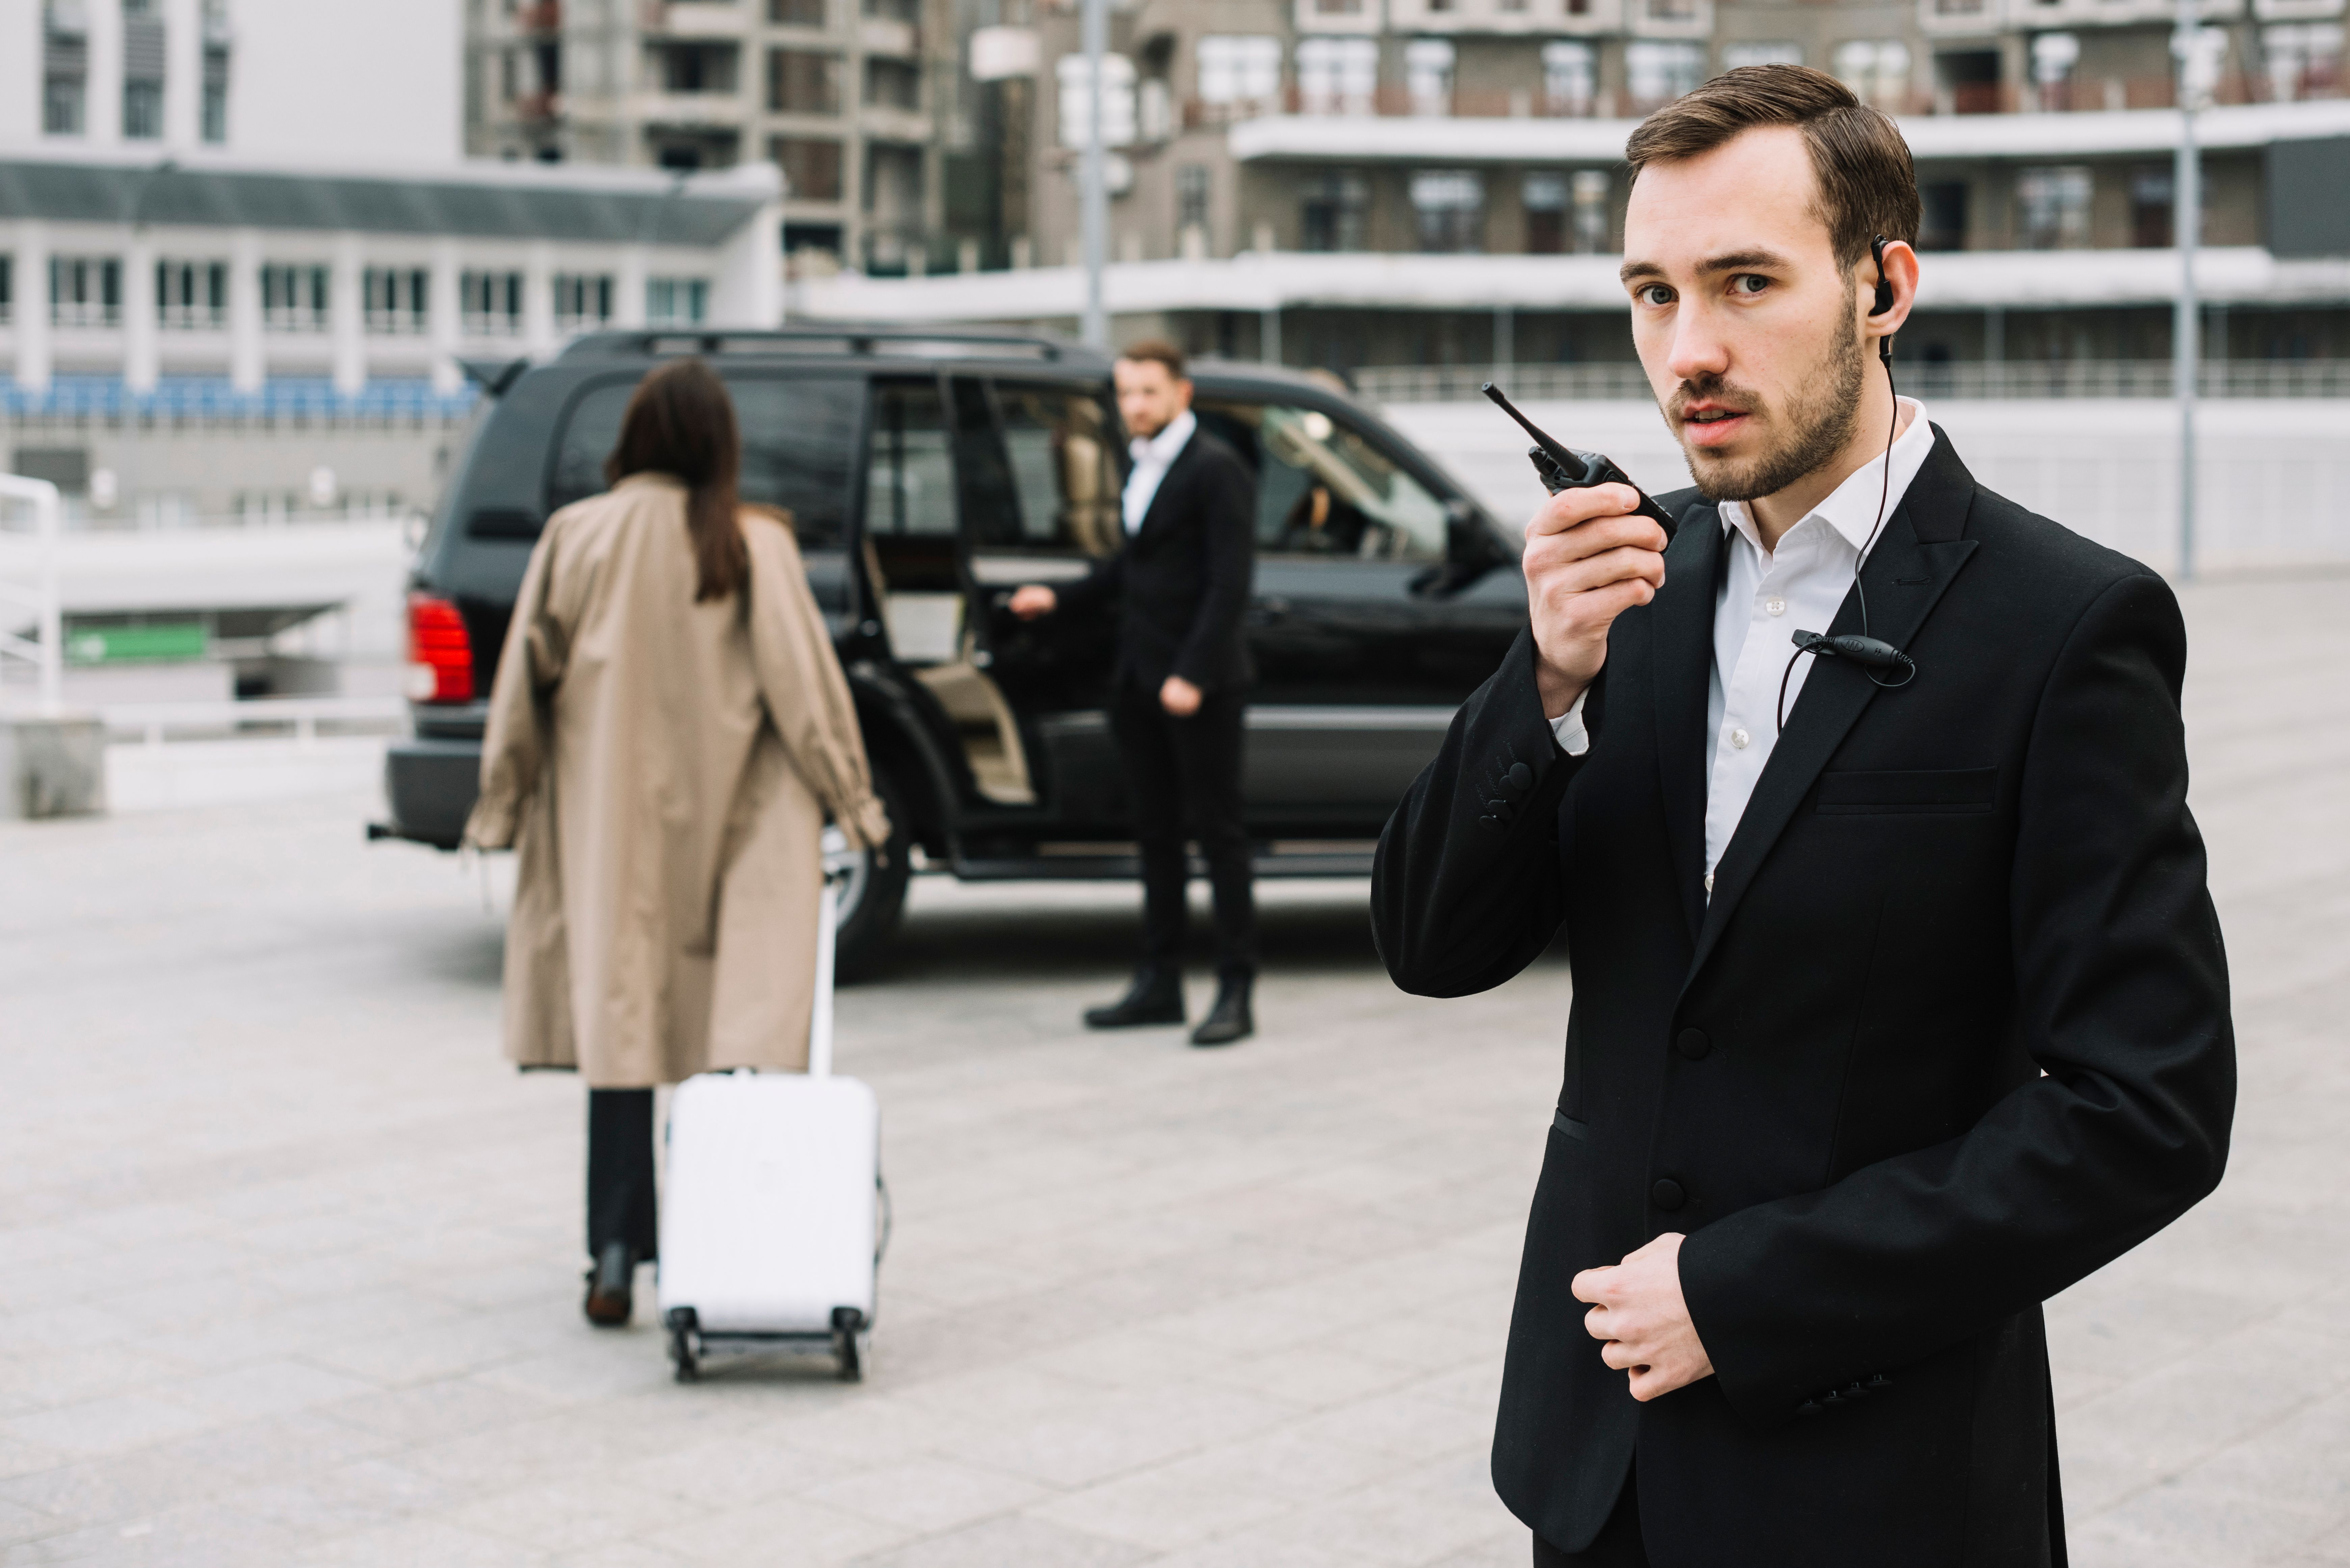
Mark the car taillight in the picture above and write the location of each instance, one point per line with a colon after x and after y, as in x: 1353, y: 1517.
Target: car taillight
x: 440, y: 654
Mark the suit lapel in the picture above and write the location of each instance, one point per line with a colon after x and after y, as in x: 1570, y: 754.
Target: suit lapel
x: 1681, y: 634
x: 1178, y: 473
x: 1904, y: 578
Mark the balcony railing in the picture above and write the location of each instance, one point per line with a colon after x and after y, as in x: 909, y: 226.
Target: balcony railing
x: 191, y: 317
x: 1961, y: 380
x: 396, y: 322
x: 2084, y: 94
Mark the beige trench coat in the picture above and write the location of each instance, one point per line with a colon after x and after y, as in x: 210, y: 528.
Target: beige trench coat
x: 664, y: 769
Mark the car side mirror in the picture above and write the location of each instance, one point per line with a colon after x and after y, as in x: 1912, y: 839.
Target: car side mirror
x: 1470, y: 551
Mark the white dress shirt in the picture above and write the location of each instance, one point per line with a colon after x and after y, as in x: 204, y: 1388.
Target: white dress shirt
x: 1153, y: 456
x: 1764, y: 597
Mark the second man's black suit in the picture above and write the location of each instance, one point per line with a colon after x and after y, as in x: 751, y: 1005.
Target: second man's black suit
x: 1180, y: 586
x: 1950, y: 1033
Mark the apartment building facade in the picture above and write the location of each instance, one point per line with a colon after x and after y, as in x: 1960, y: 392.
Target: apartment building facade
x: 858, y: 102
x: 1351, y: 183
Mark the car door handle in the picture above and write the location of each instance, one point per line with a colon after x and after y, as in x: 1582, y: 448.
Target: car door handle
x: 1273, y: 608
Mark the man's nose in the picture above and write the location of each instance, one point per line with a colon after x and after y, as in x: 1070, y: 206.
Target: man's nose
x: 1698, y: 349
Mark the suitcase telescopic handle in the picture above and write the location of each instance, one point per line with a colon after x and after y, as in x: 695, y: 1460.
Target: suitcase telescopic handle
x: 828, y: 919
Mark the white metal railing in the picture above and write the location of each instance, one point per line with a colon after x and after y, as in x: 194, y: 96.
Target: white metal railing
x: 152, y: 722
x: 1971, y: 378
x: 45, y: 649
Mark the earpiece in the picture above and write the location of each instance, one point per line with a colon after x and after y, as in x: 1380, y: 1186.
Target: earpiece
x: 1883, y: 284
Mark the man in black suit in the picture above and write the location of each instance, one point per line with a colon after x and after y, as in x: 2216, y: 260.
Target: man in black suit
x: 1180, y: 584
x: 1888, y: 1024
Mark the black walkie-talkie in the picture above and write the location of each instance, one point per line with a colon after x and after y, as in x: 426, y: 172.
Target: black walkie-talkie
x: 1564, y: 468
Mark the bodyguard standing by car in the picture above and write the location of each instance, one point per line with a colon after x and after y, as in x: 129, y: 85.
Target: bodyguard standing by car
x: 1178, y: 709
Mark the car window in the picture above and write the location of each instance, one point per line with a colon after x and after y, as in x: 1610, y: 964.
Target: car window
x: 1058, y: 442
x: 909, y: 471
x: 797, y: 436
x: 1325, y: 488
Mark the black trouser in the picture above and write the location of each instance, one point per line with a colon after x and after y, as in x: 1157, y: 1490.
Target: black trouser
x: 1618, y: 1544
x: 620, y: 1201
x: 1180, y: 769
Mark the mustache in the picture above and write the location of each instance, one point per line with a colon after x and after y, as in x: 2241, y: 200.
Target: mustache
x: 1710, y: 390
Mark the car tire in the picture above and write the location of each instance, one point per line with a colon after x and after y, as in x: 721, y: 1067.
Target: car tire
x: 876, y: 895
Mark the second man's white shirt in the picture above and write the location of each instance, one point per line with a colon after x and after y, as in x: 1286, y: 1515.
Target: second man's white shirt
x: 1153, y: 456
x: 1765, y: 597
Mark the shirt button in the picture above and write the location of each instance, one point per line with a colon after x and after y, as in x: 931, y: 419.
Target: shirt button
x: 1775, y: 605
x: 1738, y: 739
x: 1709, y: 881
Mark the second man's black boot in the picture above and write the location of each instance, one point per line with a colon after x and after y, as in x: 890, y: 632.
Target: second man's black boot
x: 1155, y: 997
x: 1230, y: 1019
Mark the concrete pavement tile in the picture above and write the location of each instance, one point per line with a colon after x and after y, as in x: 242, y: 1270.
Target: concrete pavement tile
x: 1387, y: 1525
x: 407, y: 1543
x: 928, y: 1495
x: 265, y: 1388
x: 118, y: 1486
x: 107, y: 1424
x: 2180, y: 1524
x: 46, y: 1379
x: 1026, y: 1541
x: 869, y: 1430
x: 1138, y: 1357
x: 785, y: 1532
x: 1408, y: 1425
x: 449, y: 1345
x: 1120, y: 1431
x: 1255, y: 1548
x: 574, y: 1514
x: 51, y: 1328
x: 1305, y: 1374
x: 19, y: 1523
x: 199, y: 1536
x: 1166, y: 1507
x: 732, y: 1473
x: 617, y: 1555
x: 436, y: 1410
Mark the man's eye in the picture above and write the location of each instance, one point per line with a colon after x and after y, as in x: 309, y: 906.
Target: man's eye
x: 1654, y: 294
x: 1748, y: 283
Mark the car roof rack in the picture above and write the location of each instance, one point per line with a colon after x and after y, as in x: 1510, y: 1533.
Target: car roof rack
x: 859, y: 338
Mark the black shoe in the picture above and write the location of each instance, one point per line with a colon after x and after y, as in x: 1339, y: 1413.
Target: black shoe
x: 1230, y: 1019
x: 610, y: 1283
x: 1155, y: 997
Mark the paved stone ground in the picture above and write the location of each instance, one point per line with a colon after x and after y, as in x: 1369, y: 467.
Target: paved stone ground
x: 292, y: 1260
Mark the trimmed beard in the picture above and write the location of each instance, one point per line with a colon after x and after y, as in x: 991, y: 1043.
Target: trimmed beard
x: 1818, y: 427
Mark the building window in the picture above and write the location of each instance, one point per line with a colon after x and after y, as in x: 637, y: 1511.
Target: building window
x: 1076, y: 97
x: 216, y: 107
x: 7, y: 289
x: 142, y: 71
x: 1591, y: 211
x: 2053, y: 57
x: 1334, y: 212
x: 85, y: 291
x: 811, y: 166
x: 192, y: 295
x: 1876, y: 70
x: 1193, y: 183
x: 489, y: 303
x: 796, y: 13
x: 1943, y: 215
x: 1656, y: 72
x: 692, y: 68
x: 1734, y: 55
x: 1543, y: 193
x: 1570, y: 77
x: 2052, y: 207
x: 1428, y: 75
x: 802, y: 81
x: 1448, y: 205
x: 893, y: 84
x: 1966, y: 81
x: 1684, y: 11
x: 2150, y: 208
x: 1239, y: 71
x: 1337, y: 76
x: 396, y: 299
x: 65, y: 68
x: 1337, y: 7
x: 294, y: 298
x: 582, y: 301
x: 676, y: 301
x: 2304, y: 60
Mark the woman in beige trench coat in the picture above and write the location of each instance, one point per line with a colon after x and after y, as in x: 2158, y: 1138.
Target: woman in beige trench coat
x: 668, y: 732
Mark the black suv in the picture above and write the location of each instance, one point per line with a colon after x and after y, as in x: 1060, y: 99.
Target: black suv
x: 929, y: 473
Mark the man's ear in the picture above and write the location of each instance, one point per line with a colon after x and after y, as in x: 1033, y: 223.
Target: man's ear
x: 1900, y: 274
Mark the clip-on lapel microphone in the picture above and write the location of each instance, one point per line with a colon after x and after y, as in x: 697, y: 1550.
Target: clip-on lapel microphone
x: 1871, y: 654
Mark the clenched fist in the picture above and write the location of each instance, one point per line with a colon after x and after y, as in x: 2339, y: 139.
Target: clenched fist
x: 1588, y: 560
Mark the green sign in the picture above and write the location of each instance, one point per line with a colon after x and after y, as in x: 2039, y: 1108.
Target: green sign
x: 137, y: 644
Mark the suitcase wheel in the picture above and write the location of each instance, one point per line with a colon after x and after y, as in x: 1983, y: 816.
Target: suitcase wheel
x: 683, y: 1328
x: 846, y: 1322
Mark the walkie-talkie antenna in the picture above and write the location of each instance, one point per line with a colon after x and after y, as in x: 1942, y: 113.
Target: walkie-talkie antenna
x: 1558, y: 453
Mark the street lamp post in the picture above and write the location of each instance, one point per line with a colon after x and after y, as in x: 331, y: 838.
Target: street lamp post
x: 2193, y: 51
x: 1094, y: 198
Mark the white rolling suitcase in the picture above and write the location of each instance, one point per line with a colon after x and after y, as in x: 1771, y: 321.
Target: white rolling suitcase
x: 770, y: 1211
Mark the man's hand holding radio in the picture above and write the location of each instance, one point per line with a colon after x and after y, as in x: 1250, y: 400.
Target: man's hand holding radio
x: 1588, y: 560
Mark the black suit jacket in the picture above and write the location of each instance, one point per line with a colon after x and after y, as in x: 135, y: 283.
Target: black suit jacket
x: 1181, y: 581
x: 1951, y: 1033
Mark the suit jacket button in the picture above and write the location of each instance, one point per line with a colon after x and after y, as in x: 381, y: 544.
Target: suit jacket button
x: 1667, y: 1194
x: 1693, y: 1043
x: 1520, y: 778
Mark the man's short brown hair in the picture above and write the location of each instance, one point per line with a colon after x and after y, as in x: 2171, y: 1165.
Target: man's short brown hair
x: 1868, y: 185
x: 1155, y: 351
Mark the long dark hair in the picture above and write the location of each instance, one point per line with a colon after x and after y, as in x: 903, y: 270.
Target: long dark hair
x: 681, y: 423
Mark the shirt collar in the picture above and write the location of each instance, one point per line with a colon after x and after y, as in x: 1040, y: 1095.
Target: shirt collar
x: 1162, y: 447
x: 1851, y: 509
